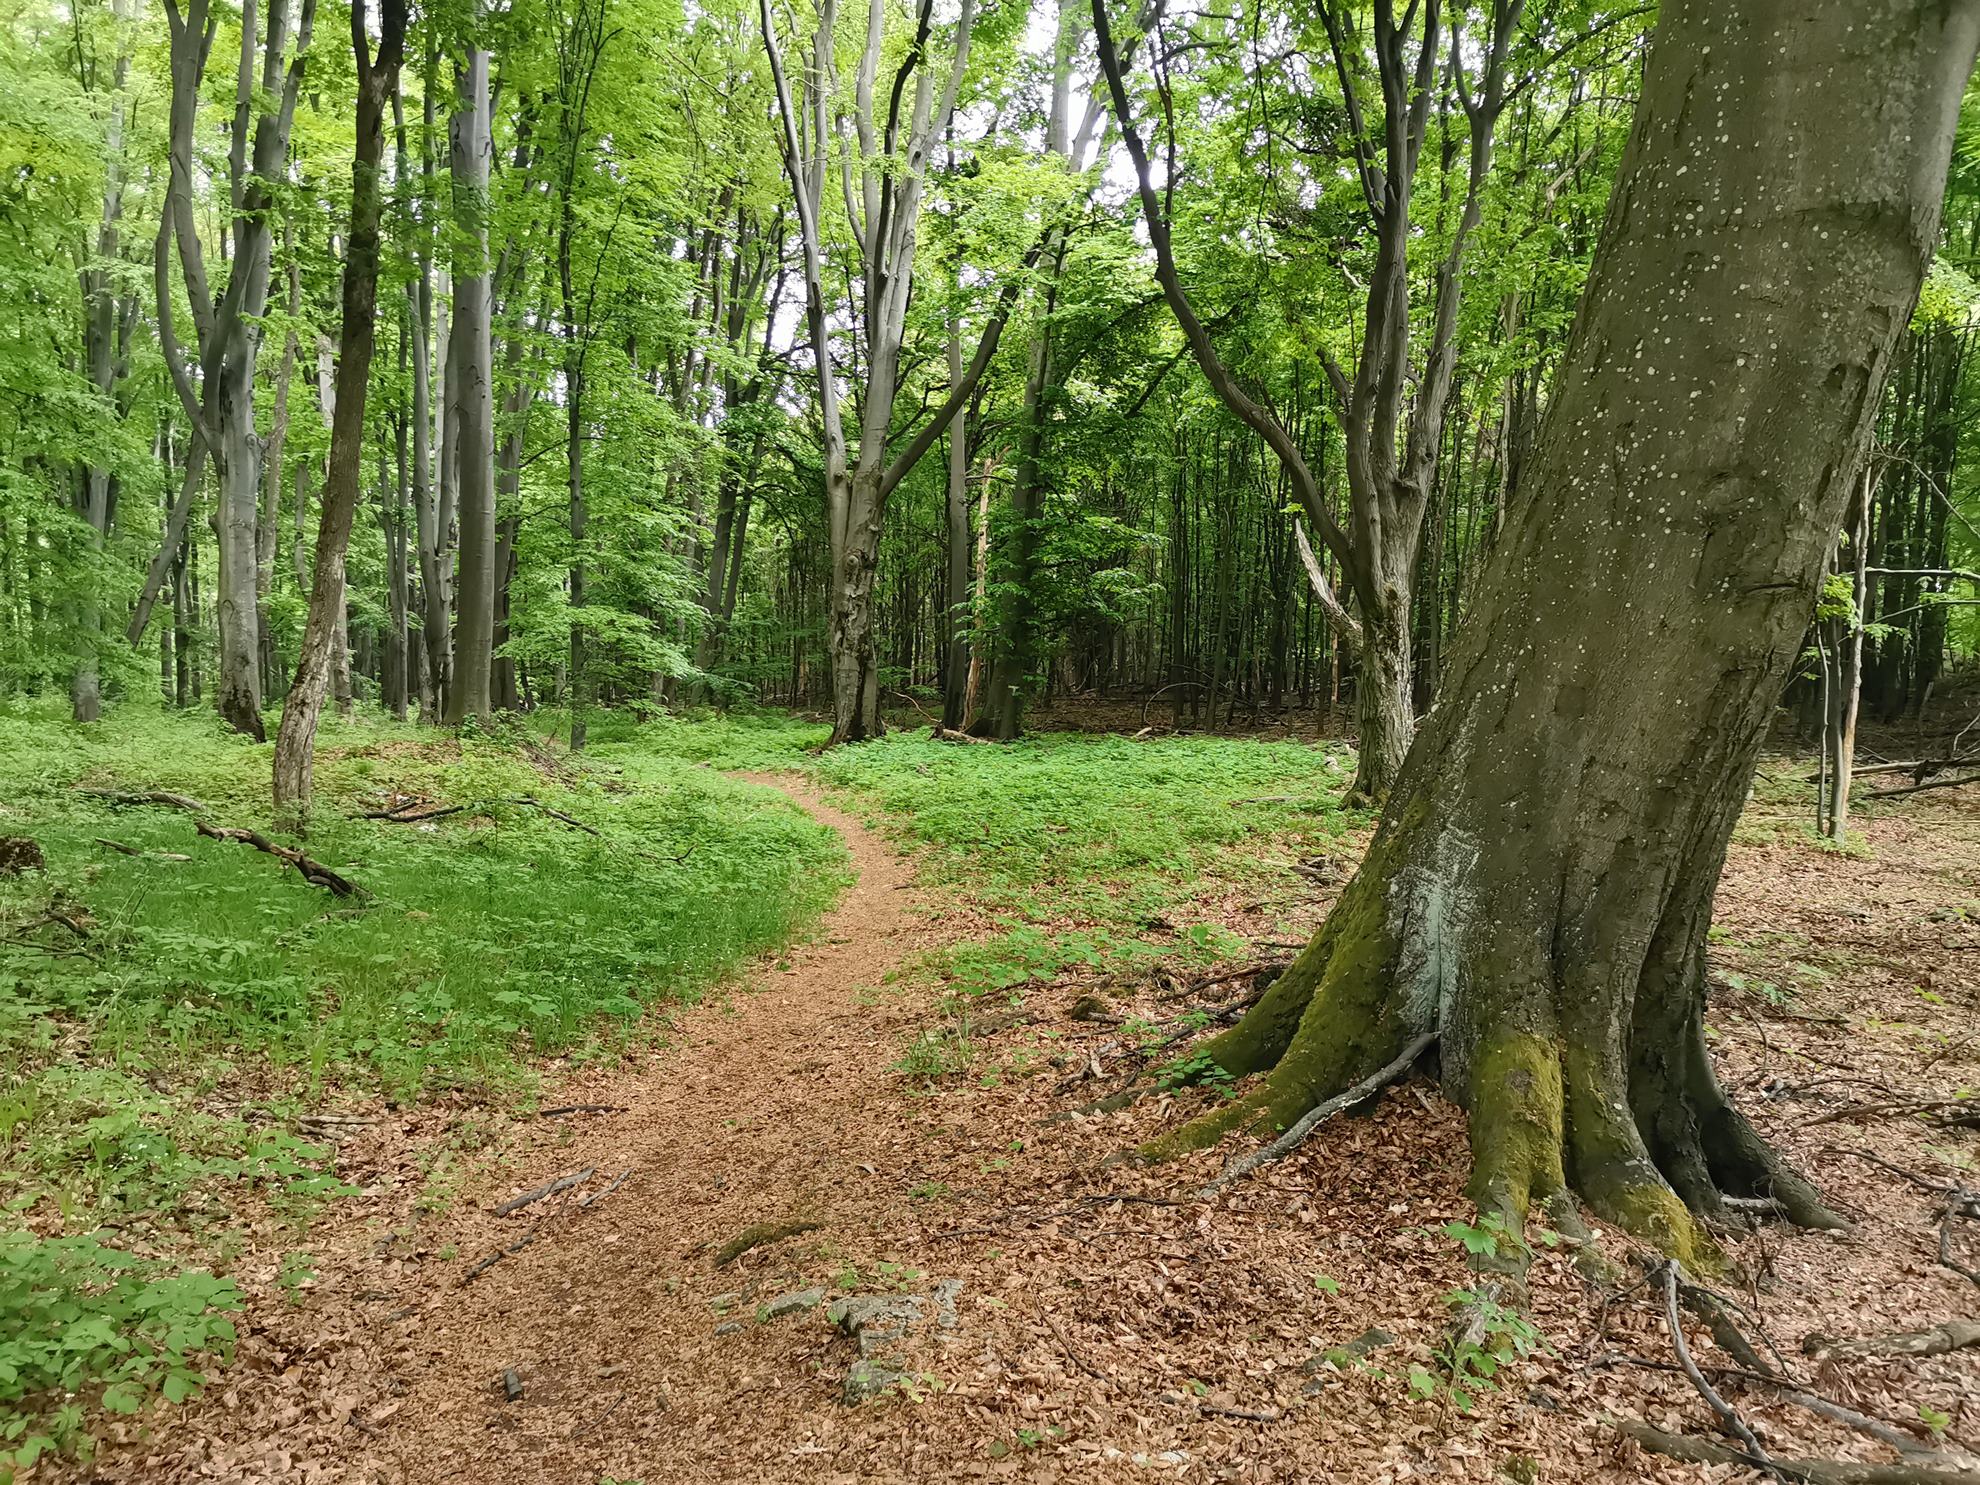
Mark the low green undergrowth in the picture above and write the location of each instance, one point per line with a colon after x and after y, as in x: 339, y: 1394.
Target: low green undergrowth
x: 170, y: 1004
x: 1101, y: 828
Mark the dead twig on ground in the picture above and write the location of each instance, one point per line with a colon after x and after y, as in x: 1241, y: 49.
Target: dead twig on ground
x: 1291, y: 1140
x: 1690, y: 1450
x: 548, y: 1188
x: 147, y: 796
x: 126, y: 850
x: 1065, y: 1345
x: 500, y: 1253
x: 313, y: 872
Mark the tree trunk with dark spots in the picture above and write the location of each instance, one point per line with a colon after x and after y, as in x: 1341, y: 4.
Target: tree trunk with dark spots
x: 1539, y: 890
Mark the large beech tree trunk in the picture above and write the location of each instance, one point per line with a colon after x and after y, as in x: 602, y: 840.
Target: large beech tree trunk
x: 1540, y: 887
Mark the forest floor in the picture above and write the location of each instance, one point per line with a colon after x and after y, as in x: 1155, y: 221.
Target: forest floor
x: 1030, y: 929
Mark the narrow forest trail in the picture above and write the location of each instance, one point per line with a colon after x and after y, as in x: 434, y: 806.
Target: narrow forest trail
x: 768, y: 1107
x: 774, y: 1104
x: 1098, y: 1324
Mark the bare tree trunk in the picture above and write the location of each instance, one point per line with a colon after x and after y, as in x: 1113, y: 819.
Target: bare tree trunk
x: 105, y: 370
x: 325, y: 638
x: 955, y: 589
x: 1538, y: 894
x: 470, y: 394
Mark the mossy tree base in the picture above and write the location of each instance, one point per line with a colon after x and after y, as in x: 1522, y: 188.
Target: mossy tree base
x: 1539, y: 891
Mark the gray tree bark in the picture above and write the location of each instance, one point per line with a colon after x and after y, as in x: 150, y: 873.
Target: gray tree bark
x: 471, y: 397
x: 323, y: 641
x: 1538, y: 894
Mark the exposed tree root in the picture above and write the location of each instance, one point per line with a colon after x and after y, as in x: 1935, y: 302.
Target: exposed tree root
x: 1692, y: 1450
x: 1293, y: 1138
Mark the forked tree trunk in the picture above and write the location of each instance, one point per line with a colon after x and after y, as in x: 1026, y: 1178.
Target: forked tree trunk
x: 1539, y: 891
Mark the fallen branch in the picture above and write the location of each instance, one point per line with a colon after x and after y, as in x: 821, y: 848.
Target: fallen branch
x: 1291, y: 1140
x: 1948, y: 1335
x: 600, y: 1195
x: 1691, y: 1450
x: 759, y: 1233
x: 124, y: 850
x: 398, y: 814
x: 147, y: 796
x: 1972, y: 778
x: 313, y: 872
x: 548, y: 1188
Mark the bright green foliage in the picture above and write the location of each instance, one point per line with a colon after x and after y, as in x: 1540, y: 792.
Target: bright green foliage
x: 1105, y: 827
x: 1492, y: 1337
x: 76, y: 1315
x: 132, y: 988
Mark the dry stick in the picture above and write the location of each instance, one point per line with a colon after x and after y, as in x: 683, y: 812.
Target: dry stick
x: 1065, y: 1345
x: 500, y: 1253
x: 313, y: 872
x: 620, y: 1180
x: 548, y: 1188
x: 1729, y: 1415
x: 148, y: 796
x: 1815, y: 1471
x: 1291, y: 1140
x: 119, y: 846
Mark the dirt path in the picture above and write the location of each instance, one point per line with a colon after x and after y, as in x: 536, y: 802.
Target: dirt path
x: 1108, y: 1329
x: 763, y: 1110
x: 775, y: 1105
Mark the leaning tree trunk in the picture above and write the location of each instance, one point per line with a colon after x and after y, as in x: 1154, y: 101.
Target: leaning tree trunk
x: 323, y: 641
x: 1538, y: 893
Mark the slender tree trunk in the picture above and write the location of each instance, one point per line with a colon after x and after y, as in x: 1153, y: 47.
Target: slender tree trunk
x: 1538, y: 894
x: 325, y: 638
x: 955, y: 589
x: 470, y: 395
x: 103, y: 366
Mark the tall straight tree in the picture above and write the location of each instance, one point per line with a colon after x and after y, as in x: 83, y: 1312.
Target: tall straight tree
x: 377, y: 84
x: 882, y: 172
x: 104, y: 323
x: 1536, y: 900
x: 470, y: 392
x: 1391, y: 408
x: 228, y: 330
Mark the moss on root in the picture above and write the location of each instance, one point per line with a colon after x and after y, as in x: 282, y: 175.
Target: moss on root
x: 1325, y: 1024
x: 1516, y: 1124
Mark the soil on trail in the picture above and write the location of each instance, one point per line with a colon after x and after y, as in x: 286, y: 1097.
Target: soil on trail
x: 1109, y: 1327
